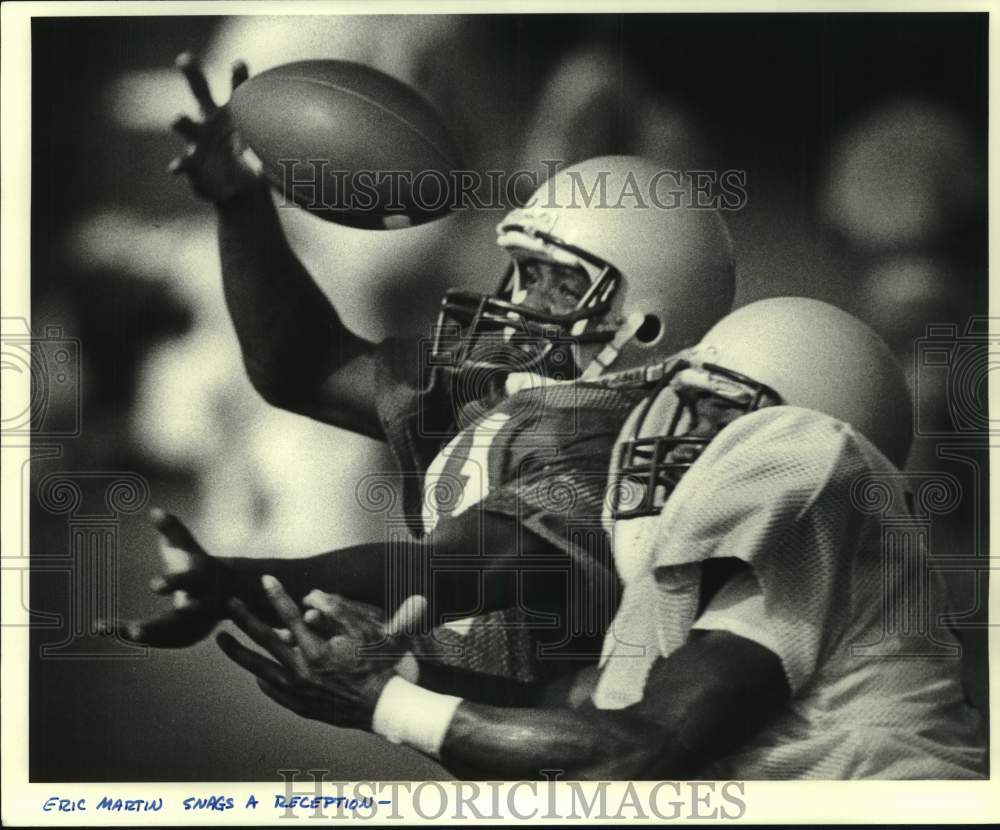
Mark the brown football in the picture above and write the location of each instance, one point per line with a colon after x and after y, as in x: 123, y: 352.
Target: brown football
x: 349, y: 143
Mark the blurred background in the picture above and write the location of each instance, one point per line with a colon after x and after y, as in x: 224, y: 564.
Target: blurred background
x: 863, y: 138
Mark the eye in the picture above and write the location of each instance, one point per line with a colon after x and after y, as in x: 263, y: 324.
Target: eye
x: 724, y: 412
x: 689, y: 395
x: 712, y: 404
x: 529, y: 274
x: 574, y: 285
x: 570, y: 291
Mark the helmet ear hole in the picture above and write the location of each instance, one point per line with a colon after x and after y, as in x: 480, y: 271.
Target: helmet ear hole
x: 650, y: 330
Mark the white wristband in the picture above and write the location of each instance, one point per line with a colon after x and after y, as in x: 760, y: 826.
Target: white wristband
x: 407, y: 714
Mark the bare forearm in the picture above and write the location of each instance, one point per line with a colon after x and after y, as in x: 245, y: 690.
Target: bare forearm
x: 364, y: 573
x: 489, y: 742
x: 496, y: 577
x: 290, y: 334
x: 704, y: 701
x: 491, y: 690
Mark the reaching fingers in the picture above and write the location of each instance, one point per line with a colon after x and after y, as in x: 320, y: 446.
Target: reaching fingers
x: 177, y: 628
x: 240, y: 73
x: 312, y: 644
x: 256, y: 664
x: 323, y: 612
x: 319, y: 622
x: 322, y: 601
x: 180, y: 164
x: 339, y: 607
x: 360, y: 620
x: 188, y: 64
x: 182, y: 599
x: 409, y: 618
x: 265, y: 636
x: 177, y: 581
x: 316, y: 621
x: 185, y: 127
x: 130, y: 630
x: 174, y: 532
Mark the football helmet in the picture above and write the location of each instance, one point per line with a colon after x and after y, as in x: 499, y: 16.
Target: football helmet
x: 661, y: 271
x: 785, y: 350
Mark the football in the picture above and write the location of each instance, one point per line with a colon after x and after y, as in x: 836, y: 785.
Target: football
x: 348, y: 143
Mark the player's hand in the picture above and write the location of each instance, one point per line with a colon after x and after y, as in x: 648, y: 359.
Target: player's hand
x: 199, y: 584
x: 332, y: 615
x: 336, y: 680
x: 342, y: 621
x: 355, y: 631
x: 213, y: 161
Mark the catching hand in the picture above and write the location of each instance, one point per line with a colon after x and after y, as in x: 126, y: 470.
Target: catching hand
x: 199, y: 583
x: 336, y: 680
x: 213, y: 161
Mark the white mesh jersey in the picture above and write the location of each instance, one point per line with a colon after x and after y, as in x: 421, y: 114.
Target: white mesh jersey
x: 875, y: 682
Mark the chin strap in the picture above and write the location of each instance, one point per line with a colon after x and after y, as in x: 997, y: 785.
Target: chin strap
x: 610, y: 352
x: 650, y: 375
x: 519, y: 381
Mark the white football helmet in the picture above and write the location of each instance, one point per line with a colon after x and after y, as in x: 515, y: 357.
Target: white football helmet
x: 661, y: 269
x: 785, y: 350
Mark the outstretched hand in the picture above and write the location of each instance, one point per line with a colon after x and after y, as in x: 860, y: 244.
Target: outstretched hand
x: 198, y: 582
x: 213, y: 161
x: 336, y: 680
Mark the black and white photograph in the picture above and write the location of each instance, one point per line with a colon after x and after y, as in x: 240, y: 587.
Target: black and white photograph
x: 500, y: 397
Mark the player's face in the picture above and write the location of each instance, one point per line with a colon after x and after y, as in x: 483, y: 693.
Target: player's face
x: 551, y: 287
x: 707, y: 414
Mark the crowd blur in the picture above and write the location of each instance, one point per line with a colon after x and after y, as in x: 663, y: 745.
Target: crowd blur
x: 863, y: 139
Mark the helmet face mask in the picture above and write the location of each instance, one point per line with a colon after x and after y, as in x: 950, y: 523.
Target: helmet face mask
x: 819, y: 357
x: 790, y: 351
x: 660, y: 277
x: 468, y: 320
x: 652, y: 460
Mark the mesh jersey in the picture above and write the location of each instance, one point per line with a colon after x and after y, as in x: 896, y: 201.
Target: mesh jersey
x: 838, y: 588
x: 540, y: 455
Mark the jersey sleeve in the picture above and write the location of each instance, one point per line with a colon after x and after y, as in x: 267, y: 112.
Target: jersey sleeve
x: 776, y: 495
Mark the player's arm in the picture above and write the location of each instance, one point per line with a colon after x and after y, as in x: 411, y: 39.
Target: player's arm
x: 478, y: 562
x: 493, y: 690
x: 331, y: 615
x: 700, y: 703
x: 297, y: 352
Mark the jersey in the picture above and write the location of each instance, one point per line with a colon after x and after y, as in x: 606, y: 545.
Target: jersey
x: 821, y: 518
x: 539, y: 454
